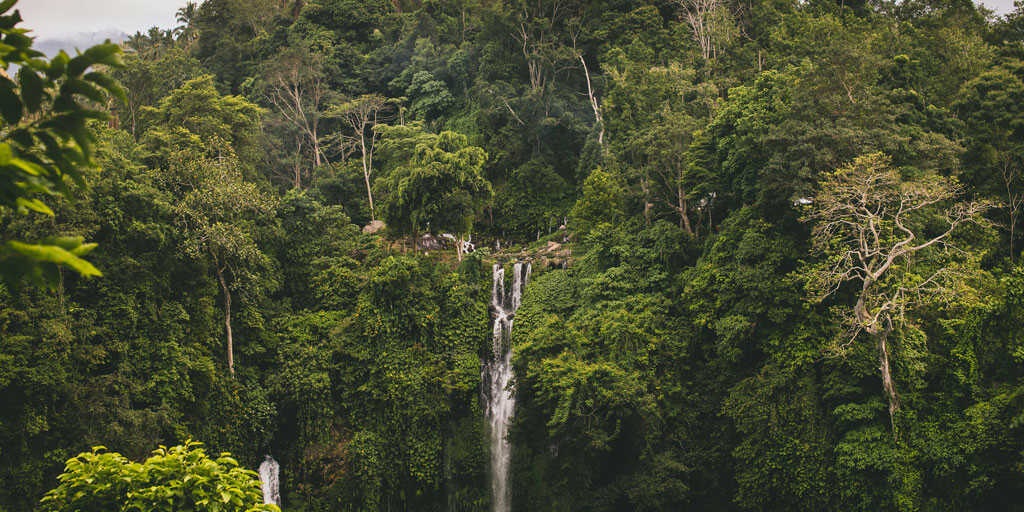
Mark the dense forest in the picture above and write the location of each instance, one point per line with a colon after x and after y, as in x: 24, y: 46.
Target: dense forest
x: 766, y: 251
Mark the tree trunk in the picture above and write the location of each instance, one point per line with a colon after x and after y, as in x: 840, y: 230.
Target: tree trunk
x: 134, y: 123
x: 684, y: 217
x: 881, y: 335
x: 645, y: 187
x: 227, y: 318
x: 316, y: 146
x: 366, y: 174
x: 1013, y: 225
x: 888, y: 384
x: 369, y: 194
x: 298, y: 162
x: 458, y: 247
x: 594, y: 104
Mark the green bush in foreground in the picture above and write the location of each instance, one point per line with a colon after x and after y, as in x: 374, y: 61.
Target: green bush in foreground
x: 180, y: 478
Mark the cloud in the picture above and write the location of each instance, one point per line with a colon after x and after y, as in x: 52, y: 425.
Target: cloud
x: 64, y: 19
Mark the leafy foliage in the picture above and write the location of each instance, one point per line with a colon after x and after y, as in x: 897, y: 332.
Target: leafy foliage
x: 709, y: 193
x: 46, y: 117
x: 180, y: 477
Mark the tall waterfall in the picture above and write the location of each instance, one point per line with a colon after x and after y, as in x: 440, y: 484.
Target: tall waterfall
x: 496, y: 374
x: 270, y: 481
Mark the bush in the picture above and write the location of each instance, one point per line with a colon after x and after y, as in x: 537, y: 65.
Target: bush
x: 173, y: 479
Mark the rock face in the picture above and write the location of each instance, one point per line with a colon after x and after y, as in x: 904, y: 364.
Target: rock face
x: 374, y: 226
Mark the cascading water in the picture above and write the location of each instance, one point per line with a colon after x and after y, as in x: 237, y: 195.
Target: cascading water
x: 497, y: 372
x: 270, y: 481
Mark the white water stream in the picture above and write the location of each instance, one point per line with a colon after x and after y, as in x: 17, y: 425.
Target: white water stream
x: 270, y: 480
x: 496, y: 375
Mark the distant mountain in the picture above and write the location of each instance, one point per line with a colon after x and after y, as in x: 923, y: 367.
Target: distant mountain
x: 81, y: 41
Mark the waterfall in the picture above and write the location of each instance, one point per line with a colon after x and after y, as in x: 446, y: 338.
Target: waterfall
x: 270, y: 481
x: 496, y: 374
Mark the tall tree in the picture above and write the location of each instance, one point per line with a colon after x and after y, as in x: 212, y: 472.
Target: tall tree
x: 297, y: 88
x: 892, y: 238
x: 187, y: 31
x: 711, y: 25
x: 196, y: 115
x: 992, y: 106
x: 441, y: 187
x: 220, y: 215
x: 360, y: 116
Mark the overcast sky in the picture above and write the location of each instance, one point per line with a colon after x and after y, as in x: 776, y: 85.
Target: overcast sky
x: 50, y: 19
x: 1000, y: 6
x: 68, y: 18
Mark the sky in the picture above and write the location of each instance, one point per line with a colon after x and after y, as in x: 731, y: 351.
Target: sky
x: 1000, y: 6
x: 62, y: 19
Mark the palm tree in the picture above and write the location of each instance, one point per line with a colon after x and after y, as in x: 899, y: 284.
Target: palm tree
x: 136, y: 43
x: 155, y: 38
x: 187, y: 31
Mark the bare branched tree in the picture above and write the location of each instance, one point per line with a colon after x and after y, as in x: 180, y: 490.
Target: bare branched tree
x: 360, y: 115
x: 576, y: 26
x: 536, y: 28
x: 711, y: 23
x: 297, y: 88
x: 871, y: 226
x: 257, y: 15
x: 1010, y: 169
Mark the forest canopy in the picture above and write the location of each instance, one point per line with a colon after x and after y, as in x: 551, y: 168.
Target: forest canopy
x: 758, y: 255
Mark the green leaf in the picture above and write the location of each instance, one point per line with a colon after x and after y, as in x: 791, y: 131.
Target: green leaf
x: 77, y: 65
x: 31, y: 168
x: 56, y: 255
x: 6, y: 5
x: 11, y: 107
x: 107, y: 83
x: 105, y: 53
x: 35, y: 205
x: 31, y: 88
x: 78, y: 86
x: 57, y: 65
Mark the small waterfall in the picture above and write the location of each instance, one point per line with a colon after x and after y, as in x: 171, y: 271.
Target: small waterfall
x: 270, y: 481
x: 496, y: 375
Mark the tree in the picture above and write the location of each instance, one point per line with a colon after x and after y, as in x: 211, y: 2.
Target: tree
x: 992, y: 106
x: 652, y: 114
x: 711, y: 25
x: 197, y: 116
x: 535, y: 27
x: 187, y: 31
x: 219, y: 215
x: 442, y: 187
x: 360, y: 115
x: 666, y: 143
x: 595, y: 101
x: 297, y: 88
x: 601, y: 203
x: 46, y: 137
x: 892, y: 238
x: 177, y: 478
x: 206, y: 145
x: 147, y: 81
